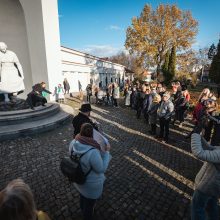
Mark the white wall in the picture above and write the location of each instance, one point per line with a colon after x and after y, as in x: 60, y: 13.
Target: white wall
x: 13, y: 33
x: 30, y: 28
x: 44, y: 41
x: 80, y: 66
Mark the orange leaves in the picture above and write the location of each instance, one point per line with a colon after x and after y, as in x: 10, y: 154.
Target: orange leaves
x: 157, y: 31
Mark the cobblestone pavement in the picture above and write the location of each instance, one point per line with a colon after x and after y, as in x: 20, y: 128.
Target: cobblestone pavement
x: 145, y: 180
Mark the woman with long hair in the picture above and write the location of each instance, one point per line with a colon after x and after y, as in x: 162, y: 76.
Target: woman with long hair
x: 94, y: 163
x: 17, y: 203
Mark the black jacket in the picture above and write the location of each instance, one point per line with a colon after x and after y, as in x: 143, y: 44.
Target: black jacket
x: 140, y: 99
x: 81, y: 119
x: 39, y: 89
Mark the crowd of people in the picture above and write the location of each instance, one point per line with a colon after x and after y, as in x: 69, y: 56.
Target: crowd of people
x: 162, y: 106
x: 108, y: 96
x: 159, y: 107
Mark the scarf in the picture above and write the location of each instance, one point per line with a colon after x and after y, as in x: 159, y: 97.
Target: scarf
x: 88, y: 141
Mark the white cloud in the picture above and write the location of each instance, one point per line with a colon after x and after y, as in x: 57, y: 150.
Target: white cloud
x: 113, y: 28
x: 102, y: 50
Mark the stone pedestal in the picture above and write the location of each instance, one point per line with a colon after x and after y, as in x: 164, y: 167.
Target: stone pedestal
x: 14, y: 105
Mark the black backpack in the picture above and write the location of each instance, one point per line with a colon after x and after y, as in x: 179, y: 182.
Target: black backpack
x: 71, y: 168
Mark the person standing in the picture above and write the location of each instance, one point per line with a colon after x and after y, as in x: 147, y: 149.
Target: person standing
x: 204, y: 203
x: 83, y: 117
x: 116, y: 94
x: 180, y: 108
x: 94, y: 163
x: 66, y: 86
x: 165, y: 112
x: 140, y: 100
x: 199, y: 111
x: 96, y: 90
x: 89, y: 92
x: 127, y: 95
x: 59, y: 94
x: 186, y: 93
x: 147, y: 102
x: 80, y: 86
x: 133, y: 97
x: 152, y: 113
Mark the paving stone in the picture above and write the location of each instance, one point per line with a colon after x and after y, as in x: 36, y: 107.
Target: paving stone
x: 145, y: 179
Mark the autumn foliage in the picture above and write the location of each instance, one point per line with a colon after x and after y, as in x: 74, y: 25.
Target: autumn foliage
x: 156, y: 32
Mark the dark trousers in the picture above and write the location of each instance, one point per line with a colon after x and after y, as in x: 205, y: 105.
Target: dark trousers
x: 139, y: 110
x: 88, y: 98
x: 180, y: 115
x: 204, y: 206
x: 164, y: 128
x: 34, y: 98
x: 146, y: 116
x: 67, y: 91
x: 115, y: 102
x: 153, y: 129
x: 87, y: 207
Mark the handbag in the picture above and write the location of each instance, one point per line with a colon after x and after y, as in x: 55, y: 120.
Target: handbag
x: 72, y: 169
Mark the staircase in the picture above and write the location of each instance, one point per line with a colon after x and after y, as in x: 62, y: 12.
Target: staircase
x: 14, y: 124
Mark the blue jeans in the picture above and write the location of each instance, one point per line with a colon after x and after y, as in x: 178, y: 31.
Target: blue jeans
x: 204, y: 207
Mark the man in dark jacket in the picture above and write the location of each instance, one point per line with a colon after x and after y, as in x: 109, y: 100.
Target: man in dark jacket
x: 147, y: 102
x: 36, y: 95
x: 88, y: 92
x: 66, y: 86
x: 83, y: 117
x: 140, y: 100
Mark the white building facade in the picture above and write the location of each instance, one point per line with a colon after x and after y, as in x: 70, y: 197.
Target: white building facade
x: 30, y: 28
x: 82, y: 68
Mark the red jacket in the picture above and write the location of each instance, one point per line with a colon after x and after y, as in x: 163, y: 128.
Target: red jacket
x: 197, y: 111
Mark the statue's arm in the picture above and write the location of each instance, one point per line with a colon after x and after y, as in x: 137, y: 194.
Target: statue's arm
x: 18, y: 65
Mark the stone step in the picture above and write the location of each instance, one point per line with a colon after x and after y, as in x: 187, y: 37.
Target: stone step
x: 26, y: 115
x: 36, y: 127
x: 26, y: 111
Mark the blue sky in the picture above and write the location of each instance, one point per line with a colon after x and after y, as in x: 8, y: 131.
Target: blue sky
x: 99, y: 27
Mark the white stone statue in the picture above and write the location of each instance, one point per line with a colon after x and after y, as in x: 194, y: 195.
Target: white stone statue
x: 11, y: 73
